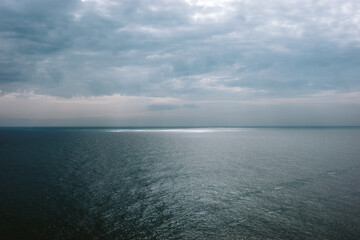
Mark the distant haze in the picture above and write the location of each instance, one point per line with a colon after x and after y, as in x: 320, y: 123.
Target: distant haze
x: 179, y: 63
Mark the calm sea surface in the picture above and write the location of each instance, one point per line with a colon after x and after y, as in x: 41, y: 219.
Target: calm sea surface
x: 196, y: 183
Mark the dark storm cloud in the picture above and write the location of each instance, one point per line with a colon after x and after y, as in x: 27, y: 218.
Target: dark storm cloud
x: 185, y: 49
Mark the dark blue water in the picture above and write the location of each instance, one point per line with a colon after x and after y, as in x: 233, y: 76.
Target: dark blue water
x: 208, y: 183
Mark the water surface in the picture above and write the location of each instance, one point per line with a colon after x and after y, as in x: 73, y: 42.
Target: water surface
x: 180, y: 183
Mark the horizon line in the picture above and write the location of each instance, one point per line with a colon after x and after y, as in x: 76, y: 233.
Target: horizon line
x: 205, y: 126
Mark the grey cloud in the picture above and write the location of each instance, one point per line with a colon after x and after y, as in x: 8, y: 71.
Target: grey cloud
x: 162, y: 107
x: 165, y: 107
x: 159, y: 48
x: 191, y: 106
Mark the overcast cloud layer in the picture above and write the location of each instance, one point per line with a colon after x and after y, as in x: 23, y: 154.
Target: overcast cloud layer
x: 177, y: 59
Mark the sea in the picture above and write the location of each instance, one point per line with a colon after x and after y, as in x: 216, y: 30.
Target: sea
x: 180, y: 183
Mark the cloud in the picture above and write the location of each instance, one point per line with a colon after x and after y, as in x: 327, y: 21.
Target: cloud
x: 191, y: 50
x: 162, y: 107
x: 89, y: 48
x: 29, y: 109
x: 190, y: 106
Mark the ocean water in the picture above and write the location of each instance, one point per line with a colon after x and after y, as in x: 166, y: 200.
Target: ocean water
x: 185, y: 183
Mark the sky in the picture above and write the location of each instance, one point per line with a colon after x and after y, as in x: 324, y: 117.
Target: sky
x: 179, y: 63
